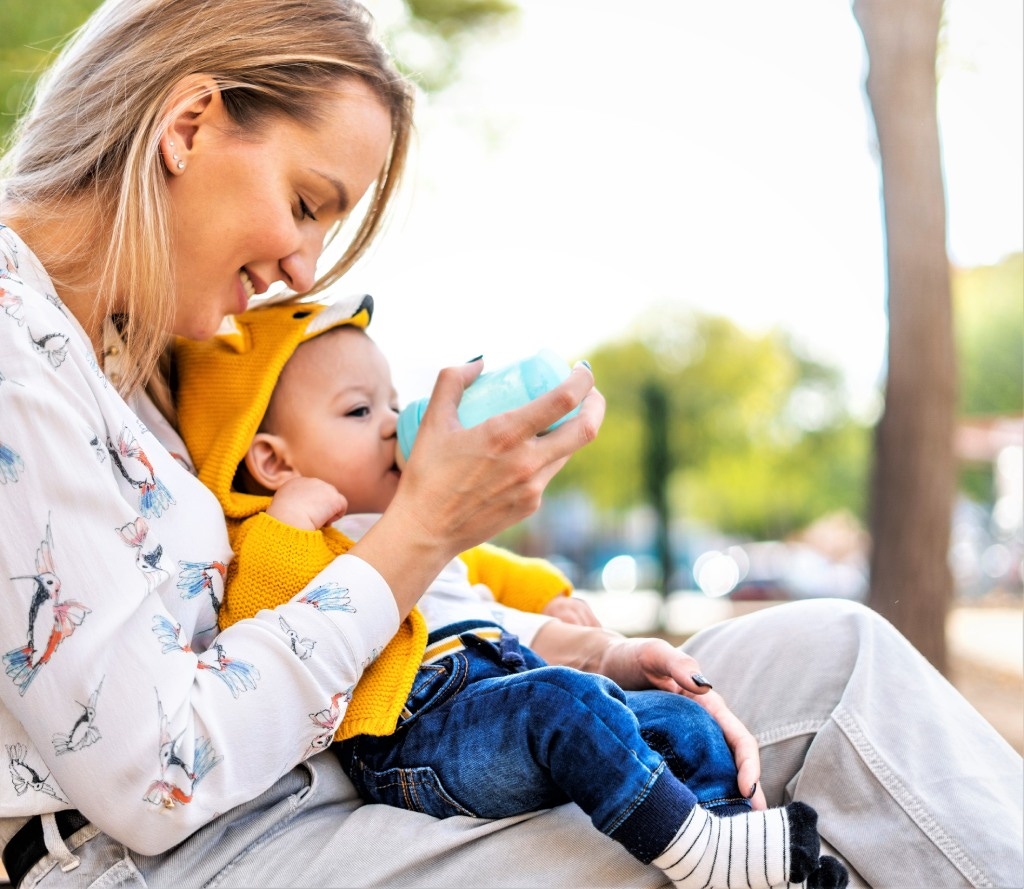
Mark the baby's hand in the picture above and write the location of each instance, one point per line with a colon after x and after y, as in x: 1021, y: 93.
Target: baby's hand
x: 571, y: 610
x: 307, y: 503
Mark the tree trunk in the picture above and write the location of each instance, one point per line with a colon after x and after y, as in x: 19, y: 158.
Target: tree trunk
x: 657, y: 467
x: 913, y: 481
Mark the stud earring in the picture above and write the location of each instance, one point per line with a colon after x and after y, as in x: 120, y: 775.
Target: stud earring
x: 174, y: 156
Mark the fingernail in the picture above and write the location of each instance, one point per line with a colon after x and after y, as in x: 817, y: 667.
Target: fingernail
x: 701, y: 680
x: 478, y: 358
x: 584, y: 363
x: 753, y: 790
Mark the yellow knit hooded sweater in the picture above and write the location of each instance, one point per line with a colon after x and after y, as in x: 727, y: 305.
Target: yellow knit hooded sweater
x: 223, y: 389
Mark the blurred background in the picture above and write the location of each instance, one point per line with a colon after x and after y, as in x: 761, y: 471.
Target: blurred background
x: 801, y: 289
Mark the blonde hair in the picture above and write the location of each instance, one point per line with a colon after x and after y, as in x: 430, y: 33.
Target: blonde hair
x: 94, y: 127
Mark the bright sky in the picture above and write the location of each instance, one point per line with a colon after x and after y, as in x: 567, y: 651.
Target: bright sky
x: 602, y: 159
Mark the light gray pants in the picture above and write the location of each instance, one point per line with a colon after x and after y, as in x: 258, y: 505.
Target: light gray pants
x: 913, y: 788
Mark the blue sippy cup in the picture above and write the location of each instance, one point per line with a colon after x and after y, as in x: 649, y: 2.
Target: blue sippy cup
x: 493, y: 393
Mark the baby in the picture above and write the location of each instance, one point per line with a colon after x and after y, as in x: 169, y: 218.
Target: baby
x: 291, y: 420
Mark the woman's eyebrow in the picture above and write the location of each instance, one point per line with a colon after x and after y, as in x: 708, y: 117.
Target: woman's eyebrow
x: 338, y: 185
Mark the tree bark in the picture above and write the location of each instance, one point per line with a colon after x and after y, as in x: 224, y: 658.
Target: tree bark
x: 913, y: 479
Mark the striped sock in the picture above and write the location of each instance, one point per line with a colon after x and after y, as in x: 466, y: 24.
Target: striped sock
x: 758, y: 850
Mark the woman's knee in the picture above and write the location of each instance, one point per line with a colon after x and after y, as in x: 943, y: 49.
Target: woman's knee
x: 838, y: 628
x: 792, y: 662
x: 832, y: 626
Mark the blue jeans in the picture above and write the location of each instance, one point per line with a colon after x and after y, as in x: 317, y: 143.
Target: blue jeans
x: 492, y: 731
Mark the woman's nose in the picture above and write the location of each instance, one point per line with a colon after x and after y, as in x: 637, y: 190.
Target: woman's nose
x: 299, y: 269
x: 299, y: 266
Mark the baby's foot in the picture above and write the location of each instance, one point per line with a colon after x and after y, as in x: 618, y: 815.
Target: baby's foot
x: 756, y: 849
x: 829, y: 874
x: 825, y: 872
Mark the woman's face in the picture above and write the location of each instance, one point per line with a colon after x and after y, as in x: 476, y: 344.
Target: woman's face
x: 253, y: 209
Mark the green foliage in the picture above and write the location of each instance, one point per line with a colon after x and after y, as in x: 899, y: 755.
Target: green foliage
x: 430, y: 43
x: 30, y: 31
x: 452, y: 19
x: 769, y: 491
x: 758, y: 442
x: 988, y: 305
x: 989, y: 315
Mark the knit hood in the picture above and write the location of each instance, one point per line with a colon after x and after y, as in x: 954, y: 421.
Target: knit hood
x: 224, y: 385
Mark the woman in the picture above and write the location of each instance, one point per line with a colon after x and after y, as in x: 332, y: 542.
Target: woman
x: 181, y: 157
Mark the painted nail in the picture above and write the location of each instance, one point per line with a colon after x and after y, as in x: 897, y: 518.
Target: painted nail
x: 753, y: 790
x: 478, y: 358
x: 701, y: 680
x: 584, y: 363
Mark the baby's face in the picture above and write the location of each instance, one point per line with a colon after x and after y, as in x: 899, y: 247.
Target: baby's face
x: 337, y: 409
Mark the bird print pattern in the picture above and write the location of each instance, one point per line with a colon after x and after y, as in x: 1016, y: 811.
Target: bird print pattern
x: 327, y: 720
x: 52, y: 345
x: 136, y: 469
x: 147, y: 559
x: 237, y: 675
x: 11, y: 464
x: 178, y: 779
x: 117, y: 684
x: 83, y: 732
x: 26, y: 777
x: 11, y: 305
x: 51, y: 619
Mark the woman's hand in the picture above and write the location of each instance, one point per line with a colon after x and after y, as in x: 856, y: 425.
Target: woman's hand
x: 743, y: 745
x: 655, y: 663
x: 461, y: 486
x: 476, y: 482
x: 641, y: 663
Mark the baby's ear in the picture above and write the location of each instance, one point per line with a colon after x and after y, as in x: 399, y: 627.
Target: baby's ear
x: 268, y: 462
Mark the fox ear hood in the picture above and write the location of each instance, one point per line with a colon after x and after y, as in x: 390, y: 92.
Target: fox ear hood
x: 224, y: 384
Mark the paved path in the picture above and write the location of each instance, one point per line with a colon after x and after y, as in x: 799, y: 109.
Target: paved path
x: 990, y: 636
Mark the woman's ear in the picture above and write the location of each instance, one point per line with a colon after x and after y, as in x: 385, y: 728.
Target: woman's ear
x: 194, y: 103
x: 267, y: 461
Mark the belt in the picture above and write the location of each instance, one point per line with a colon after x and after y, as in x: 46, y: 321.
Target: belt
x: 439, y: 646
x: 27, y: 846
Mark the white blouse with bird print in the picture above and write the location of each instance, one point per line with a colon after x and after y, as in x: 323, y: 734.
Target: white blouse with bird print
x: 118, y: 697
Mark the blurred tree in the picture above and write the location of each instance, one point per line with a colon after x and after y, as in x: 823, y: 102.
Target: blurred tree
x: 656, y: 463
x: 758, y: 441
x: 914, y: 474
x: 432, y: 36
x: 29, y: 33
x: 427, y: 36
x: 987, y: 304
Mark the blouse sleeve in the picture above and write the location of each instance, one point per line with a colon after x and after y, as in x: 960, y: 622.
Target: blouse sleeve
x: 119, y: 697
